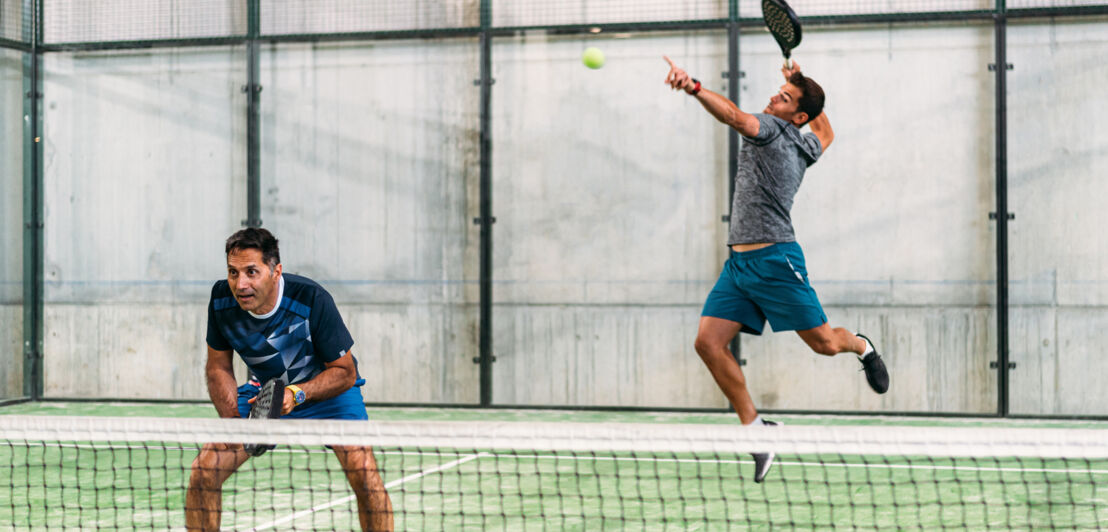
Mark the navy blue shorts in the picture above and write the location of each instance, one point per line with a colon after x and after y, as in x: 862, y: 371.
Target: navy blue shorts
x: 769, y: 283
x: 347, y: 405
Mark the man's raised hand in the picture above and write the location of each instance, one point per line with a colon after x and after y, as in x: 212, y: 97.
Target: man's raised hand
x: 677, y: 79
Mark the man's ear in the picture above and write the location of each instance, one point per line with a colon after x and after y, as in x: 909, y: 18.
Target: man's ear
x: 800, y: 118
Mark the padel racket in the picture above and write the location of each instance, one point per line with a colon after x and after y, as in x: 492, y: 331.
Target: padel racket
x: 267, y: 405
x: 784, y: 25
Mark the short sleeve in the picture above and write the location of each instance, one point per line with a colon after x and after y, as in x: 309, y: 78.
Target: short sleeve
x: 330, y: 337
x: 769, y: 127
x: 215, y: 338
x: 812, y: 147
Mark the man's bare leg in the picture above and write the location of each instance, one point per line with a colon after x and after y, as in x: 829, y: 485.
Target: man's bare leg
x: 713, y: 344
x: 374, y: 505
x: 827, y: 341
x: 211, y: 468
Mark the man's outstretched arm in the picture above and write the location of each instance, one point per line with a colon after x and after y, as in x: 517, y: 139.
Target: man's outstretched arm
x: 719, y: 106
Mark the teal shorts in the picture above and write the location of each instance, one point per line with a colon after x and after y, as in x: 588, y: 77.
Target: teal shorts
x: 766, y: 284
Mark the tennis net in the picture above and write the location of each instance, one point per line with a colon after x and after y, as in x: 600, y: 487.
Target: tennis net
x: 61, y: 472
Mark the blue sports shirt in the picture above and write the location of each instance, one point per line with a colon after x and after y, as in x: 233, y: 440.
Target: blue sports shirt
x: 293, y: 341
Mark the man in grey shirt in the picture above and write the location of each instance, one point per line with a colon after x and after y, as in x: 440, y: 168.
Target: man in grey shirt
x: 765, y: 277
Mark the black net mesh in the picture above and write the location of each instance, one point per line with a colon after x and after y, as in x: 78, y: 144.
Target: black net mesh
x: 13, y: 27
x: 351, y: 16
x: 810, y: 8
x: 1018, y: 4
x: 142, y: 20
x: 512, y: 13
x: 517, y: 476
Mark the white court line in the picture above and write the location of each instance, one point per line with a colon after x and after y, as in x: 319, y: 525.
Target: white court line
x: 392, y: 484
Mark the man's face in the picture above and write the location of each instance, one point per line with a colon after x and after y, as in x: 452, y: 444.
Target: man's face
x: 785, y: 103
x: 252, y: 281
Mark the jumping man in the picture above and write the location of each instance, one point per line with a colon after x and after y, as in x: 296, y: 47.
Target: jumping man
x: 765, y: 277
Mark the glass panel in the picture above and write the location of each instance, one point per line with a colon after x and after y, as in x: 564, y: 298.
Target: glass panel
x: 1057, y: 154
x: 144, y: 182
x: 370, y: 172
x: 608, y: 193
x: 11, y: 224
x: 893, y: 219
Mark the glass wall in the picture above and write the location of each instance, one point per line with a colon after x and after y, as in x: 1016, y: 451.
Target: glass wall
x: 892, y: 218
x: 1058, y: 149
x: 608, y: 190
x: 145, y: 178
x: 11, y: 224
x: 370, y: 179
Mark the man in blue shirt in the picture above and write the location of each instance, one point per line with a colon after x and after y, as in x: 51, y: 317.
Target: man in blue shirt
x: 282, y: 326
x: 765, y: 278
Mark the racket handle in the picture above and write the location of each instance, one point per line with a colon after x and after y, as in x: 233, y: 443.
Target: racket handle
x: 788, y: 63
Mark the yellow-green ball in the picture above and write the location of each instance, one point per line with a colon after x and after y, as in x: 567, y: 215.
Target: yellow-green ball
x: 593, y: 58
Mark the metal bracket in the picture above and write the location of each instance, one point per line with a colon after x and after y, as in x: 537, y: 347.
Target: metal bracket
x: 257, y: 88
x: 248, y: 222
x: 725, y: 74
x: 479, y: 220
x: 32, y: 225
x: 726, y: 218
x: 29, y: 94
x: 992, y: 67
x: 1011, y: 215
x: 994, y: 365
x: 477, y: 360
x: 477, y: 82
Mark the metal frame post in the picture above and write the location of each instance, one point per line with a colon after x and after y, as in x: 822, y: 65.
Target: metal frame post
x: 33, y: 247
x: 1001, y: 215
x: 733, y: 77
x: 485, y: 220
x: 253, y: 92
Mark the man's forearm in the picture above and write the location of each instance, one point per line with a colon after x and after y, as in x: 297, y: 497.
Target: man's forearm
x: 222, y: 390
x: 329, y: 383
x: 718, y: 106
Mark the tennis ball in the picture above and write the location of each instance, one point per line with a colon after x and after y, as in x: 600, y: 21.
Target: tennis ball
x: 593, y: 58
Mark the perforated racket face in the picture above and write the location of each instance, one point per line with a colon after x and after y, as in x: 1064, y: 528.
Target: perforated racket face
x: 269, y: 400
x: 267, y: 405
x: 782, y: 23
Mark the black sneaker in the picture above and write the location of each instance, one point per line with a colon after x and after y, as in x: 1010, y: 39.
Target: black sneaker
x: 876, y: 374
x: 763, y: 461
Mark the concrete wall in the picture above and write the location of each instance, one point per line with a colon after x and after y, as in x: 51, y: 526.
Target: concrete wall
x: 145, y: 177
x: 11, y: 224
x: 370, y: 156
x: 608, y: 192
x: 1059, y: 261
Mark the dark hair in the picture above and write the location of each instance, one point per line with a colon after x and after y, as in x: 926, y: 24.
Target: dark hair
x: 811, y: 98
x: 256, y: 238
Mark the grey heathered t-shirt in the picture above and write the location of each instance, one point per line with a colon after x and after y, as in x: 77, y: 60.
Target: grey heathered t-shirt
x: 771, y: 167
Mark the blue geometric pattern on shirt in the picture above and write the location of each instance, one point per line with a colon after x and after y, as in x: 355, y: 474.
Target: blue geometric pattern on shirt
x: 288, y: 351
